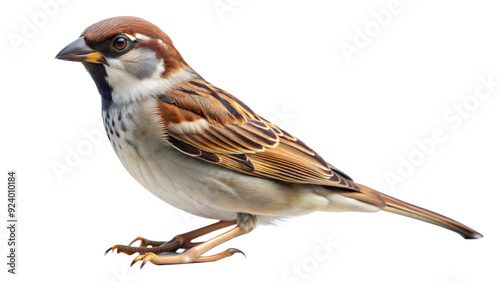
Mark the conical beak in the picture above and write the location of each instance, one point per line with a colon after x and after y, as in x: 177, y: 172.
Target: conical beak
x: 79, y: 51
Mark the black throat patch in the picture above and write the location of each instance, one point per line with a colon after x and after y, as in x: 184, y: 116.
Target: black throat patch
x: 98, y: 74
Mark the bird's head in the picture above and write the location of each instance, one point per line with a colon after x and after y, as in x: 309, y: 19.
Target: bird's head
x: 128, y: 58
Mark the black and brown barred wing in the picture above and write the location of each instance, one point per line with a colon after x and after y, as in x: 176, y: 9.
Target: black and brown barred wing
x: 208, y: 123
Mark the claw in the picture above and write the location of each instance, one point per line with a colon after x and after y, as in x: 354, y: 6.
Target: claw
x: 112, y: 249
x: 148, y: 257
x: 137, y: 258
x: 233, y: 251
x: 145, y: 258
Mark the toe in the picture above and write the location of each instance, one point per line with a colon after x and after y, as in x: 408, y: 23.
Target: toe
x: 137, y: 258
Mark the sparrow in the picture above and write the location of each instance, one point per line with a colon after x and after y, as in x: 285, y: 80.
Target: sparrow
x: 202, y: 150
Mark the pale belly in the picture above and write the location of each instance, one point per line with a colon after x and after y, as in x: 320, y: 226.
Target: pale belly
x: 211, y: 191
x: 202, y: 188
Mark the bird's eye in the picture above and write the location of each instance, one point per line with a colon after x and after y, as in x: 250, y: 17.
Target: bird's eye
x: 120, y: 43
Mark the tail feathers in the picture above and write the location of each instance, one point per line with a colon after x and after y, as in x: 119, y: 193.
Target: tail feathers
x: 390, y: 204
x: 399, y: 207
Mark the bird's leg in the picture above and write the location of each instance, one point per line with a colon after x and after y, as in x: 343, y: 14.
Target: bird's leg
x: 182, y: 241
x: 195, y: 254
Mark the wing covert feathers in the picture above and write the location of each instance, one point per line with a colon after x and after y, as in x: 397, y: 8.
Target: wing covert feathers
x: 206, y: 122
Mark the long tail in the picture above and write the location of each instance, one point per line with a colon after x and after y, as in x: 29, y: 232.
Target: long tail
x: 403, y: 208
x: 390, y: 204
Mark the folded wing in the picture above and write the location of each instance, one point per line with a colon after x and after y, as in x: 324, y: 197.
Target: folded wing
x: 208, y: 123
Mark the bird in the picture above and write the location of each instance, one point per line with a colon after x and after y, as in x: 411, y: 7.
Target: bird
x: 204, y: 151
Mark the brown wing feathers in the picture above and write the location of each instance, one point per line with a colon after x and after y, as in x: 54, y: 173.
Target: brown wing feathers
x: 237, y: 138
x: 232, y: 135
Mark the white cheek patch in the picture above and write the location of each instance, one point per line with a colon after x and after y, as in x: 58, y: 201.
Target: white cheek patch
x: 127, y: 87
x: 141, y: 63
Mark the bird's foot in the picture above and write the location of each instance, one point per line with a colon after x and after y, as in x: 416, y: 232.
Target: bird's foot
x: 183, y: 241
x: 195, y: 253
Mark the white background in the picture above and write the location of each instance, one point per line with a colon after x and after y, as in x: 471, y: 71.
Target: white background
x: 284, y: 59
